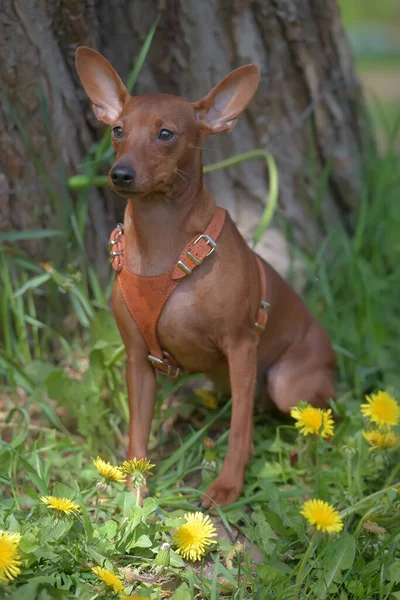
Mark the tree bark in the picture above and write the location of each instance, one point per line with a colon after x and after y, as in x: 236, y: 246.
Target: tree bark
x: 306, y: 111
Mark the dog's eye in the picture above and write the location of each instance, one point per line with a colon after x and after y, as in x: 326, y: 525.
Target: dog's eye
x: 165, y: 135
x: 118, y: 132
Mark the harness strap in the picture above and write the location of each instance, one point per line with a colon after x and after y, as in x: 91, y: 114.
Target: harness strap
x: 145, y: 296
x: 262, y: 316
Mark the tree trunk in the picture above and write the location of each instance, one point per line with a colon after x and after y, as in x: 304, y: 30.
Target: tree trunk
x: 306, y: 111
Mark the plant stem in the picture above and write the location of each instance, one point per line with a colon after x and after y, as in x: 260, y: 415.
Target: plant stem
x: 392, y: 476
x: 356, y: 506
x: 303, y: 563
x: 349, y: 474
x: 96, y: 515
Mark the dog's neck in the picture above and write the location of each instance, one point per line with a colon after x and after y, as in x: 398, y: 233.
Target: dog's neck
x: 158, y: 226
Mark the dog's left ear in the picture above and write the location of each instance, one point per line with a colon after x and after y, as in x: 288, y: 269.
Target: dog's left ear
x: 219, y: 110
x: 102, y: 84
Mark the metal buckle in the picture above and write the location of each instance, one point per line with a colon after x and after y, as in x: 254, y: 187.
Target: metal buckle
x: 111, y: 243
x: 113, y: 254
x: 158, y: 361
x: 197, y: 262
x: 265, y: 306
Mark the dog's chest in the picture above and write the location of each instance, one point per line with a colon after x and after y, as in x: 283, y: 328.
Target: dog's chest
x: 187, y: 329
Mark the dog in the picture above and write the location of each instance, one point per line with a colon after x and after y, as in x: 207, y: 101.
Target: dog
x: 189, y: 293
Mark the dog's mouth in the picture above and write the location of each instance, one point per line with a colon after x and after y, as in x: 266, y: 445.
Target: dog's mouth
x: 125, y: 192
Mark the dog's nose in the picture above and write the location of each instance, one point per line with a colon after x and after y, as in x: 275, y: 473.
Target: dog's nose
x: 122, y: 175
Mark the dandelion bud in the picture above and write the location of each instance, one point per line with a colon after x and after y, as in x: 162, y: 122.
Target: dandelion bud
x: 163, y: 557
x: 103, y: 487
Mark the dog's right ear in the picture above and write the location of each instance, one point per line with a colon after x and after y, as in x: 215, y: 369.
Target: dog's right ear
x: 102, y: 84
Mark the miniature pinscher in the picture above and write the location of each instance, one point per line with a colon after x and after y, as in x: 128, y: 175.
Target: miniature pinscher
x: 190, y: 295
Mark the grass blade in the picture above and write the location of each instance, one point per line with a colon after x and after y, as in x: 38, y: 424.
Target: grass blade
x: 29, y: 234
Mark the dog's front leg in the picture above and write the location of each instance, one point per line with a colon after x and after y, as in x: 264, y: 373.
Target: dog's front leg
x: 141, y: 382
x: 242, y: 359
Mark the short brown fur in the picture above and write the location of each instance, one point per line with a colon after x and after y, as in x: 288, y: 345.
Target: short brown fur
x: 207, y: 323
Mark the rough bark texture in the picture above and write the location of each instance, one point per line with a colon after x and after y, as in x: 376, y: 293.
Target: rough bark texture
x: 306, y: 110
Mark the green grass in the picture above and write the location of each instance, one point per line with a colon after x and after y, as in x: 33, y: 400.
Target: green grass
x: 62, y: 411
x: 63, y: 402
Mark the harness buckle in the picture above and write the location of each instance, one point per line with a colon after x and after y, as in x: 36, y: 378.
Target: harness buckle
x: 112, y: 242
x: 264, y: 305
x: 197, y: 262
x: 159, y: 362
x: 113, y: 254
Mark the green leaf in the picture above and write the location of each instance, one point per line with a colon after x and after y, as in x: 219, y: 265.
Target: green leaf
x: 25, y: 592
x: 63, y: 491
x: 28, y: 543
x: 176, y: 560
x: 142, y: 56
x: 38, y: 371
x: 33, y: 283
x: 393, y: 572
x: 87, y: 523
x: 356, y: 588
x: 33, y: 474
x: 264, y: 534
x: 142, y: 542
x: 339, y: 556
x: 269, y: 574
x: 182, y: 593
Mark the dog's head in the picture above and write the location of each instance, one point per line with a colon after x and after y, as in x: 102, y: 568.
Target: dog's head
x: 155, y: 136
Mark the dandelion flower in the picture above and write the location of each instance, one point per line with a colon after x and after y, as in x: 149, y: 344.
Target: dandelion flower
x: 60, y: 505
x: 310, y: 420
x: 134, y: 466
x: 110, y: 579
x: 138, y: 470
x: 9, y: 563
x: 381, y: 409
x: 108, y: 471
x: 378, y: 439
x: 208, y: 399
x: 194, y: 536
x: 323, y: 516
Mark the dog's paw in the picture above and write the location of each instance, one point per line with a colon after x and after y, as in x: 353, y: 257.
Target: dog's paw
x: 225, y: 490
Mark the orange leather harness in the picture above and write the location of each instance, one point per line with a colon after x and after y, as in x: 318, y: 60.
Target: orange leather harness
x: 145, y: 296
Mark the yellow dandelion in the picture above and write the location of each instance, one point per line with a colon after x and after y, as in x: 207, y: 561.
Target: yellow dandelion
x: 194, y: 537
x: 381, y: 409
x: 323, y: 516
x: 310, y: 420
x: 60, y: 505
x: 209, y: 400
x: 108, y: 471
x: 378, y: 439
x: 9, y: 557
x: 140, y: 466
x: 110, y: 579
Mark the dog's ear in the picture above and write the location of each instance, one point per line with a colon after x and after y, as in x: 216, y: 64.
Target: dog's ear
x: 102, y: 84
x: 219, y: 110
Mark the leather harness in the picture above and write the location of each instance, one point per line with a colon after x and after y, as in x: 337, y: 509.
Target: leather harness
x: 145, y: 297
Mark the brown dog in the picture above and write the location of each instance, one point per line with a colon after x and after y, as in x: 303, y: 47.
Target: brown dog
x: 212, y: 322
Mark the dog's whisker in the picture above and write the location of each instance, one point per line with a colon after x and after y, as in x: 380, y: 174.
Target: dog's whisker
x: 205, y: 148
x: 181, y: 176
x: 184, y: 173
